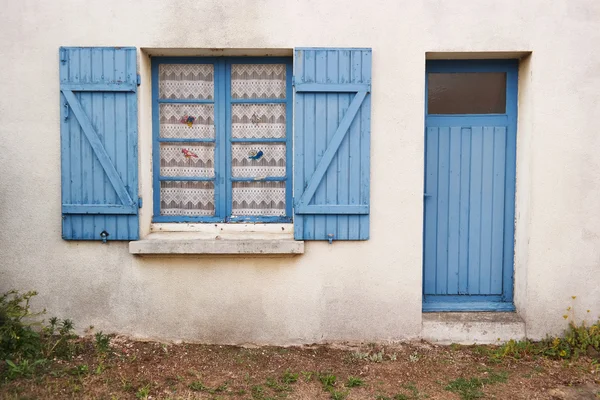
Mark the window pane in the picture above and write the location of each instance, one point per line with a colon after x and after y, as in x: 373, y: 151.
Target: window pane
x: 258, y: 120
x: 187, y: 121
x: 186, y: 81
x: 466, y: 93
x: 258, y: 198
x: 258, y: 81
x: 258, y: 160
x: 187, y: 198
x: 187, y: 159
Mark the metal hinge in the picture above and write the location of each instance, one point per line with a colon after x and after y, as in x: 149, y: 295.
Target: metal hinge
x: 140, y: 202
x: 139, y: 79
x: 293, y: 81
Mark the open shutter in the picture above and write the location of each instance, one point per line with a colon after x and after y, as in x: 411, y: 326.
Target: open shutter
x: 332, y: 143
x: 98, y: 129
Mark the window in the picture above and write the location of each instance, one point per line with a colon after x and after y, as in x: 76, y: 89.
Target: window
x: 222, y: 139
x: 222, y: 143
x: 466, y: 92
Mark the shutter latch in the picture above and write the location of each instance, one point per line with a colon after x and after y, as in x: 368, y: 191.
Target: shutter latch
x: 139, y: 79
x: 330, y: 238
x: 104, y: 236
x: 140, y: 202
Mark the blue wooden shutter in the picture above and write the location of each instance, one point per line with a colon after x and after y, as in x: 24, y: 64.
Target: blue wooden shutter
x: 331, y: 143
x: 98, y: 130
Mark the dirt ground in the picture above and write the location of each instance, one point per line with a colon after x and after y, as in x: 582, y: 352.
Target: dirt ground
x: 408, y: 371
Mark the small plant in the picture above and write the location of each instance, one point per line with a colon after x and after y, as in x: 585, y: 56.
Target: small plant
x: 79, y: 370
x: 18, y: 339
x: 197, y: 386
x: 377, y: 357
x: 257, y: 392
x: 470, y: 389
x: 392, y: 356
x: 414, y: 357
x: 289, y: 377
x: 58, y: 339
x: 276, y: 386
x: 354, y: 382
x: 307, y: 375
x: 102, y: 343
x: 126, y: 385
x: 143, y: 392
x: 336, y: 395
x: 360, y: 356
x: 327, y: 380
x: 23, y: 369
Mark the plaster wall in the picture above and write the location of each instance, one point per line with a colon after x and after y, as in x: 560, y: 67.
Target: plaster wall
x: 346, y: 291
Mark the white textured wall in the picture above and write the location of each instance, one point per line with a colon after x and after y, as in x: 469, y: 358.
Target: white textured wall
x: 358, y: 291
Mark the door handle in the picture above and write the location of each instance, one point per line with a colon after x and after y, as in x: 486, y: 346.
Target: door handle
x: 426, y: 195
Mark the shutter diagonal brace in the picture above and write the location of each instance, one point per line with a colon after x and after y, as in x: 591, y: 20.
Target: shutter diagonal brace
x: 332, y: 149
x: 98, y: 148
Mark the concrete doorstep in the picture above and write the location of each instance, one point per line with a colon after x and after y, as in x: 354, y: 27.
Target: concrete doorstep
x: 472, y: 327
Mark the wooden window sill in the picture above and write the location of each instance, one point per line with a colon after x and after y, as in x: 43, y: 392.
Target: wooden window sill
x: 205, y: 243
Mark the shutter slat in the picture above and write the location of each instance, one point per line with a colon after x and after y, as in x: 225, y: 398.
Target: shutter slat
x: 99, y: 143
x: 332, y: 133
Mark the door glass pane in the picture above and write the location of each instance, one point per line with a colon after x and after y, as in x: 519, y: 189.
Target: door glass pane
x: 466, y: 93
x: 186, y: 81
x: 258, y: 81
x: 258, y: 198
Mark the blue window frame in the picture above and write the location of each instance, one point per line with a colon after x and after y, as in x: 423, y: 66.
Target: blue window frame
x: 218, y: 177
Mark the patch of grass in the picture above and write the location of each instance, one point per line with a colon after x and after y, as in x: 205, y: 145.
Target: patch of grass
x: 79, y: 370
x: 197, y: 386
x: 354, y: 382
x: 470, y: 389
x: 23, y: 369
x: 455, y: 347
x: 126, y: 385
x: 327, y: 380
x: 276, y: 386
x: 258, y: 392
x: 307, y: 375
x: 143, y: 392
x: 482, y: 351
x: 337, y: 395
x: 289, y: 377
x: 514, y: 349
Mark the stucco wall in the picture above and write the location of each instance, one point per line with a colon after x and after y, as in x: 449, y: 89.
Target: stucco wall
x: 358, y: 291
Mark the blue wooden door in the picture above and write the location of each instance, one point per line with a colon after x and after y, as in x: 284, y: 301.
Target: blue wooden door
x: 470, y: 146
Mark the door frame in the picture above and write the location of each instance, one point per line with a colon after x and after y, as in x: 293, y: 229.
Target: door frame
x: 503, y: 302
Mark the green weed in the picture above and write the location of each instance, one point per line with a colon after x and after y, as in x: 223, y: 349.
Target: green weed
x: 24, y: 368
x: 197, y: 386
x: 354, y: 382
x: 470, y: 389
x: 102, y: 343
x: 336, y: 395
x: 143, y: 392
x: 289, y: 377
x: 327, y: 380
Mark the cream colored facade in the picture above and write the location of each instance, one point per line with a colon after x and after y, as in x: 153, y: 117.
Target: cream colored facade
x: 349, y: 290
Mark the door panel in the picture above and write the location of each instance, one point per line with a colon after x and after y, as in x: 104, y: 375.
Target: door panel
x: 469, y: 209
